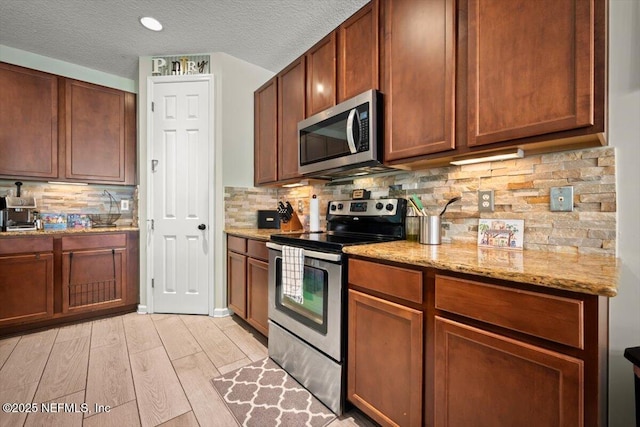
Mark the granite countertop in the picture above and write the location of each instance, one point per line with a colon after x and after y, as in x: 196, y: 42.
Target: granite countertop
x: 67, y: 232
x: 253, y: 233
x: 588, y: 274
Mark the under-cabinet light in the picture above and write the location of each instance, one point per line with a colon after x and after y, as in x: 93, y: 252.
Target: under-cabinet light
x: 295, y: 184
x: 490, y: 157
x: 67, y: 183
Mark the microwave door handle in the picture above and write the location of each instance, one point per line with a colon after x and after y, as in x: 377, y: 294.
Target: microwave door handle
x: 350, y: 140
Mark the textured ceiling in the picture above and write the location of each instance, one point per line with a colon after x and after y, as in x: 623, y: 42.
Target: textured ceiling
x: 106, y: 35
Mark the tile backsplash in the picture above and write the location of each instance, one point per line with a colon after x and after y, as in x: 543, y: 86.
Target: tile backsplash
x: 61, y: 198
x: 521, y: 190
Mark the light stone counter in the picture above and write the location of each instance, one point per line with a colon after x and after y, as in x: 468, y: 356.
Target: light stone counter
x: 589, y: 274
x: 253, y: 233
x: 67, y: 232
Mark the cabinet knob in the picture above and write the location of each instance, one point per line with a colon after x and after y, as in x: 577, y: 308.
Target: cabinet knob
x: 202, y: 227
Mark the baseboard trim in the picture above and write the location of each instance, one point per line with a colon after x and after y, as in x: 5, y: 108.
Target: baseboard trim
x: 221, y: 312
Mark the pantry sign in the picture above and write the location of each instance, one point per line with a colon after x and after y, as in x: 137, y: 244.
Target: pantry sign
x: 180, y: 65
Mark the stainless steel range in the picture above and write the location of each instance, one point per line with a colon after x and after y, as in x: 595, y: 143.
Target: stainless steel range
x: 307, y: 329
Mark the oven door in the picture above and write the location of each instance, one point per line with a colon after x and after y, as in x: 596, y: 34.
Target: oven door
x: 318, y: 319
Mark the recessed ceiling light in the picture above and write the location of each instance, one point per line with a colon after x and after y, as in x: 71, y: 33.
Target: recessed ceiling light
x: 151, y: 23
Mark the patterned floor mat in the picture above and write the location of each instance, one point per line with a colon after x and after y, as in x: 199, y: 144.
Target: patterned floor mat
x: 263, y: 394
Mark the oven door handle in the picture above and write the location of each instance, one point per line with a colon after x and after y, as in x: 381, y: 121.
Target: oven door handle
x: 310, y: 254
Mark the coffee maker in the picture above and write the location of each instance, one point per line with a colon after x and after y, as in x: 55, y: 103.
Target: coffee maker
x: 16, y: 212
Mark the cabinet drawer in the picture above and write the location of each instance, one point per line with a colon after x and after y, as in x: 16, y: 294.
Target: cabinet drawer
x: 22, y: 245
x: 257, y: 249
x: 389, y: 280
x: 237, y: 244
x: 550, y: 317
x: 94, y: 241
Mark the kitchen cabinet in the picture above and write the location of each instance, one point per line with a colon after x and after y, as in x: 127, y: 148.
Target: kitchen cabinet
x: 509, y: 356
x: 266, y: 133
x: 419, y: 77
x: 291, y: 110
x: 26, y: 280
x: 385, y: 336
x: 488, y: 379
x: 66, y: 277
x: 321, y: 75
x: 94, y: 272
x: 64, y: 129
x: 247, y: 281
x: 539, y: 72
x: 358, y: 52
x: 99, y: 134
x: 29, y: 123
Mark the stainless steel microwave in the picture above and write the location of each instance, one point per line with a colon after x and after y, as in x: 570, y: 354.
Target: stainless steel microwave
x: 343, y: 140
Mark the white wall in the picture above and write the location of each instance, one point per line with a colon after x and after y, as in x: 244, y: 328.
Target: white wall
x: 624, y: 134
x: 66, y: 69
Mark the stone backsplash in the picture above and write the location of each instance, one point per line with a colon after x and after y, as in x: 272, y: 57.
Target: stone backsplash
x: 79, y: 199
x: 521, y: 191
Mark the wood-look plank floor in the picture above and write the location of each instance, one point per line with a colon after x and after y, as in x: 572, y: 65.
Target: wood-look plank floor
x: 151, y: 370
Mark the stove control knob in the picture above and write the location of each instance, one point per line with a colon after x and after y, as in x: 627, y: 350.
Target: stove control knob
x: 379, y: 205
x: 340, y: 206
x: 333, y: 207
x: 390, y: 207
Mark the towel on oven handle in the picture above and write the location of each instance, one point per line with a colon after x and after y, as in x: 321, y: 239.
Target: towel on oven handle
x: 292, y: 273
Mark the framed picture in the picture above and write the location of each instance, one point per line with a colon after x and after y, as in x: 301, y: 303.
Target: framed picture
x: 501, y: 233
x: 78, y: 221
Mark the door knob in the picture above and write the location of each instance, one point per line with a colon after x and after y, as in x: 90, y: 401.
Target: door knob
x: 202, y: 227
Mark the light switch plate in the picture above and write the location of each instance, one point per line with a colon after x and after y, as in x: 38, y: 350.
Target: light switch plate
x: 485, y: 201
x: 561, y: 199
x: 124, y: 205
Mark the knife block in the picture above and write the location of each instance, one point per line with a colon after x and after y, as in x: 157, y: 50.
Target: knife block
x: 293, y: 224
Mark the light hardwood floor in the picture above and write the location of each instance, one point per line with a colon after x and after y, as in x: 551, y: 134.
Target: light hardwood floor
x: 149, y: 370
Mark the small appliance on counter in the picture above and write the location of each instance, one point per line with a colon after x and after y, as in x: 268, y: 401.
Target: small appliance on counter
x: 17, y: 212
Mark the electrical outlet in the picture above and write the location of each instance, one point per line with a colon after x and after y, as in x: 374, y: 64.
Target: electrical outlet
x: 124, y: 205
x: 300, y: 206
x: 561, y: 199
x: 485, y: 201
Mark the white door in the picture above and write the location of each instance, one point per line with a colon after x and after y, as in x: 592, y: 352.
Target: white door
x: 179, y: 194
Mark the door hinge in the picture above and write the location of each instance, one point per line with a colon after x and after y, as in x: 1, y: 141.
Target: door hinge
x: 153, y: 224
x: 153, y: 283
x: 153, y: 106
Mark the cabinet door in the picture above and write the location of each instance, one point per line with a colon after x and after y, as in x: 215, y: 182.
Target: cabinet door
x: 385, y: 360
x: 533, y: 73
x: 237, y: 283
x: 266, y: 133
x: 486, y: 379
x: 93, y: 279
x: 419, y: 77
x: 26, y: 288
x: 95, y: 133
x: 358, y: 52
x: 28, y: 123
x: 291, y: 107
x: 321, y: 75
x: 258, y: 295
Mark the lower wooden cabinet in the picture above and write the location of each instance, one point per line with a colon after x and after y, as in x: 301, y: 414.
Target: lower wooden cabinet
x: 94, y: 272
x: 486, y: 379
x: 47, y: 280
x: 247, y: 280
x: 26, y: 287
x: 385, y: 356
x: 258, y: 294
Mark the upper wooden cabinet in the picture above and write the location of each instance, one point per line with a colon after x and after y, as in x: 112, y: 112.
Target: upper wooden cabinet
x: 419, y: 77
x: 29, y: 123
x: 321, y: 75
x: 98, y: 134
x: 532, y: 68
x: 291, y: 108
x: 266, y: 133
x: 63, y: 129
x: 358, y: 52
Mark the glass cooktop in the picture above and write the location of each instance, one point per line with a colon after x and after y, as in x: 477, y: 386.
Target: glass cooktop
x: 331, y: 241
